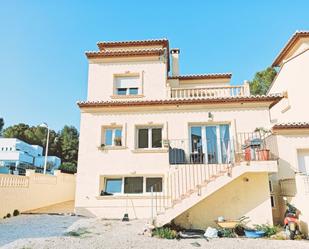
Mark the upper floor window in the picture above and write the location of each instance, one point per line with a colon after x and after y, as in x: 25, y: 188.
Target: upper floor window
x: 149, y: 138
x: 112, y: 136
x: 127, y: 85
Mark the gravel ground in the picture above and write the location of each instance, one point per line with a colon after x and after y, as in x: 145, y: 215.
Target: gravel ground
x: 49, y: 232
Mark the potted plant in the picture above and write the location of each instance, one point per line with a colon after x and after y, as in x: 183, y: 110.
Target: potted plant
x: 263, y: 154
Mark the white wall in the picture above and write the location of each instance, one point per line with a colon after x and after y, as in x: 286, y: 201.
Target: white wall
x: 293, y: 78
x: 94, y: 162
x: 101, y: 77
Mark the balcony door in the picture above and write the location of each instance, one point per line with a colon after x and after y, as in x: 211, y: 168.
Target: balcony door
x: 210, y: 144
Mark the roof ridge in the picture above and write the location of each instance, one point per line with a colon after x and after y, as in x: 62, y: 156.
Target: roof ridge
x: 293, y: 39
x: 134, y: 41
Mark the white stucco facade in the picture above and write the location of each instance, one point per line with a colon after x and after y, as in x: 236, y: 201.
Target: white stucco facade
x: 169, y: 107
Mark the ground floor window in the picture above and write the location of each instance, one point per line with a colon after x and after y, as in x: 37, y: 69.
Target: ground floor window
x: 113, y: 185
x: 131, y: 185
x: 155, y: 183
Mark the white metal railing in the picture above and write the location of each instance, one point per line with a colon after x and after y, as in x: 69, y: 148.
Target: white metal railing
x: 182, y: 181
x: 208, y: 92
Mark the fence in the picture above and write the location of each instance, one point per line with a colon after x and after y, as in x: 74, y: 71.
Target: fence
x: 34, y: 191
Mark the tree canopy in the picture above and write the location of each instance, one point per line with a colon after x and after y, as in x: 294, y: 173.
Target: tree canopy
x: 63, y: 144
x: 262, y: 80
x: 1, y: 125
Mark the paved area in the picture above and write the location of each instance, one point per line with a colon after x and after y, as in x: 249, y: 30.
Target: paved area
x: 59, y: 208
x: 34, y: 226
x: 51, y: 232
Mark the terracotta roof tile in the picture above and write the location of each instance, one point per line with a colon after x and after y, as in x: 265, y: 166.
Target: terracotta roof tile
x: 256, y: 98
x: 124, y: 53
x: 289, y: 45
x: 294, y: 125
x: 202, y: 76
x: 108, y: 44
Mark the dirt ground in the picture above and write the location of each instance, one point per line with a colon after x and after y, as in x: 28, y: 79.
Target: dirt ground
x: 51, y: 231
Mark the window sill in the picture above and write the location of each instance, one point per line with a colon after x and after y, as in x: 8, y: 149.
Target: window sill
x: 112, y: 148
x: 130, y: 196
x: 158, y: 150
x: 127, y: 96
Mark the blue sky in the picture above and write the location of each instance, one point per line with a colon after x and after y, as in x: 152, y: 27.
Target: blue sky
x: 43, y: 69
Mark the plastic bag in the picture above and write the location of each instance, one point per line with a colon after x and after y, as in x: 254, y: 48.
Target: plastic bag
x: 211, y: 233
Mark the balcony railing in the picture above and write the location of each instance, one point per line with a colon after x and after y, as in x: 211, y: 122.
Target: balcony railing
x: 209, y: 92
x: 243, y: 147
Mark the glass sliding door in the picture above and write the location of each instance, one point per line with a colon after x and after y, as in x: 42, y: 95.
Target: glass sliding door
x: 210, y: 144
x: 225, y: 143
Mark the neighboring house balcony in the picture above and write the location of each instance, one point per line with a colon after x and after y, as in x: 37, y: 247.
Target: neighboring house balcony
x: 208, y: 92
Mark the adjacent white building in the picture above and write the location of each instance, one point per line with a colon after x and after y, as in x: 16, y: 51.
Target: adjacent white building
x: 16, y: 155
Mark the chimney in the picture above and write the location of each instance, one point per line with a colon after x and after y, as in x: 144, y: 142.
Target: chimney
x: 175, y: 61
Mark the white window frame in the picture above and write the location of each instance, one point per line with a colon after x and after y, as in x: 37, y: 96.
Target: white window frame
x: 204, y: 138
x: 149, y: 128
x: 123, y: 182
x: 139, y: 85
x: 113, y: 128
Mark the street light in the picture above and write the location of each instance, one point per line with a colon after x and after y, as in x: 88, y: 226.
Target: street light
x: 44, y: 125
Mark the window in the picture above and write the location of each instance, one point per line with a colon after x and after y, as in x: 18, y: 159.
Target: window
x: 121, y: 91
x: 270, y: 186
x: 272, y: 201
x: 113, y: 185
x: 149, y: 138
x: 127, y: 85
x: 112, y: 137
x: 133, y: 185
x: 155, y: 182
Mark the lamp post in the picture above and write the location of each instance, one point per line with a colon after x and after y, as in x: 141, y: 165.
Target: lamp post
x: 44, y: 125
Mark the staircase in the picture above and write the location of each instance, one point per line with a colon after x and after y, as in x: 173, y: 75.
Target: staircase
x: 187, y: 185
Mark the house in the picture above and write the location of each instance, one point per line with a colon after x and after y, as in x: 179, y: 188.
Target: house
x: 290, y: 126
x: 170, y: 147
x: 17, y: 155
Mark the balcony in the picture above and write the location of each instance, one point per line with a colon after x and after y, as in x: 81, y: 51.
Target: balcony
x: 244, y: 147
x: 209, y: 92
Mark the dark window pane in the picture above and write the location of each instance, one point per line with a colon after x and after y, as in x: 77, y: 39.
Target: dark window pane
x: 156, y: 182
x: 196, y: 139
x: 143, y: 138
x: 133, y: 185
x: 156, y: 138
x: 113, y: 185
x: 133, y: 91
x: 121, y: 91
x: 108, y: 137
x: 117, y: 139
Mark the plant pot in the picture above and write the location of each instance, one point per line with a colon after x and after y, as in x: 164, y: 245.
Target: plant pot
x: 263, y: 155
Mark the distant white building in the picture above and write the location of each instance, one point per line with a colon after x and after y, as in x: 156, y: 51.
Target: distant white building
x: 16, y: 156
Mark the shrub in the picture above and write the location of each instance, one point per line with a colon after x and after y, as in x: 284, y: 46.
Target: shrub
x: 164, y: 233
x: 69, y: 168
x: 8, y: 215
x: 77, y: 233
x: 268, y: 229
x: 227, y: 233
x: 16, y: 212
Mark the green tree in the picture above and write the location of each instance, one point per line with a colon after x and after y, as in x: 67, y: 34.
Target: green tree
x: 262, y: 80
x: 63, y: 144
x: 1, y: 125
x: 69, y: 144
x: 67, y: 167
